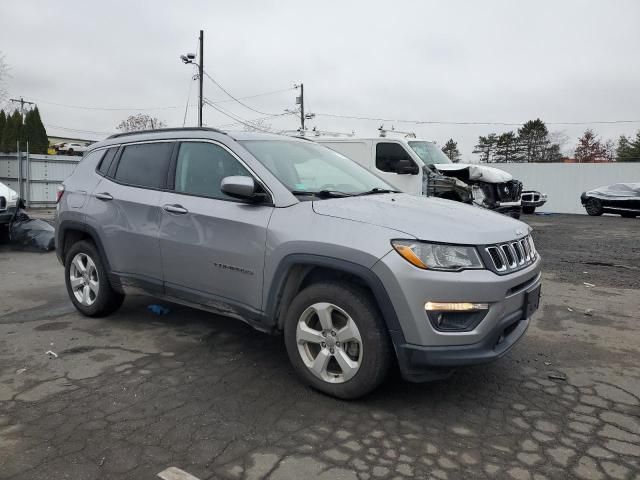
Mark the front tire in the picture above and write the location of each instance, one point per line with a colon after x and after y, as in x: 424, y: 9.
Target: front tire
x: 593, y: 206
x: 528, y: 210
x: 336, y: 340
x: 88, y: 283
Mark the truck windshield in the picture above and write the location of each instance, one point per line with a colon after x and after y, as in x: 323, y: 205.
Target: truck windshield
x: 429, y: 153
x: 307, y: 168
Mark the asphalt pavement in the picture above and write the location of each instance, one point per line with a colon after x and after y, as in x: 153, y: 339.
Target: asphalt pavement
x: 134, y: 394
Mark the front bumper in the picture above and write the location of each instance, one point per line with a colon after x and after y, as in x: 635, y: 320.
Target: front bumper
x: 419, y: 363
x: 533, y: 199
x: 425, y: 353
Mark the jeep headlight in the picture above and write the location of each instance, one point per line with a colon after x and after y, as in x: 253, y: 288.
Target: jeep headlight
x: 437, y: 256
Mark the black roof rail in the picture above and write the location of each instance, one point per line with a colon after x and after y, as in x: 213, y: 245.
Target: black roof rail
x: 162, y: 130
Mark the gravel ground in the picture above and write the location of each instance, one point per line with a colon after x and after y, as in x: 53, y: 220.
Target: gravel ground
x: 607, y: 248
x: 130, y: 395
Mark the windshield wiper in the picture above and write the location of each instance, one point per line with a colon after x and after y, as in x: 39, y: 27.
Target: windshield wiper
x: 375, y: 191
x: 322, y: 193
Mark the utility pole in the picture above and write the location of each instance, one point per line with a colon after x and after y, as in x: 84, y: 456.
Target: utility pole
x: 200, y: 75
x: 22, y: 101
x: 302, y: 108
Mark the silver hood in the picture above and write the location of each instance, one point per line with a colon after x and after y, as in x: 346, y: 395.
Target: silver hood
x: 426, y: 218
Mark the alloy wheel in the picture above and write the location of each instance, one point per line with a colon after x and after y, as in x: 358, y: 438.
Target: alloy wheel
x: 83, y: 278
x: 329, y: 342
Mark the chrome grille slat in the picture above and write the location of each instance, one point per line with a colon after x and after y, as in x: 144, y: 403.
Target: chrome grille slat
x: 514, y: 255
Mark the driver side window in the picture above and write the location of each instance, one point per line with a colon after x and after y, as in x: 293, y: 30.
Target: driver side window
x: 201, y: 166
x: 389, y: 154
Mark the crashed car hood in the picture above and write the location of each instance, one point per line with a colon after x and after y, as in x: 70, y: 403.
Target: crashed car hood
x: 617, y: 191
x: 476, y: 172
x: 426, y: 218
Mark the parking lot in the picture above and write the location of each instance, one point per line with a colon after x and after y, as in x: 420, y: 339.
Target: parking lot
x: 130, y: 395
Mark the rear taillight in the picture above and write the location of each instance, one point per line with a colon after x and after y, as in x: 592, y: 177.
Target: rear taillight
x: 59, y: 193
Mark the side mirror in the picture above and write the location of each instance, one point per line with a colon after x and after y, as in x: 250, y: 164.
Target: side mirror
x: 406, y: 167
x: 241, y: 187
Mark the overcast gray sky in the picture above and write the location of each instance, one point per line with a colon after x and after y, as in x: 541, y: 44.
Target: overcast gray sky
x: 457, y: 61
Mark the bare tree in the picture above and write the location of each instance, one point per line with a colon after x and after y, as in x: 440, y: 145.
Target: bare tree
x: 140, y: 121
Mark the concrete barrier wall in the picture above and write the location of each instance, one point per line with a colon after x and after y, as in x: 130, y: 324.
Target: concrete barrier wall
x: 564, y: 182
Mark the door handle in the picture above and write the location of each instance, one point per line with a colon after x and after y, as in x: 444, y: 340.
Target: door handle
x: 104, y: 196
x: 175, y: 209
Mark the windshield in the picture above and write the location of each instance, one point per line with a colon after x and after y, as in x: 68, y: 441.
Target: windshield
x: 429, y: 153
x: 306, y: 167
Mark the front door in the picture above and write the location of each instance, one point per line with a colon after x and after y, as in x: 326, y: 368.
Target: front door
x: 212, y: 246
x: 387, y: 155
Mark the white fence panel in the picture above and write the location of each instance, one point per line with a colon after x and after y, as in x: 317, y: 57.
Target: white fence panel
x: 41, y: 175
x: 564, y: 182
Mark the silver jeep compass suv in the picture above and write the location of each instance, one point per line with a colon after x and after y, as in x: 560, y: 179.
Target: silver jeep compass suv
x: 290, y: 236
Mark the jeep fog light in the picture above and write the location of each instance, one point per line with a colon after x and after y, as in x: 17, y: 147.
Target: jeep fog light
x: 455, y: 317
x: 455, y: 307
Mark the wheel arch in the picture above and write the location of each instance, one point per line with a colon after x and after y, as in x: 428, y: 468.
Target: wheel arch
x: 70, y: 232
x: 296, y: 271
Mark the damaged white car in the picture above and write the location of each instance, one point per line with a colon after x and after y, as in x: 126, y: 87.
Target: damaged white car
x: 418, y: 166
x: 8, y: 199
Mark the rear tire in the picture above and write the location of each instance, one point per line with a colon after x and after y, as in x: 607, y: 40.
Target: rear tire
x: 593, y: 206
x: 70, y: 152
x: 87, y: 281
x: 528, y: 210
x: 346, y: 370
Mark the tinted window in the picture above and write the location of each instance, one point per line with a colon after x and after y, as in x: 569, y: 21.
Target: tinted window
x: 107, y: 161
x: 388, y: 154
x: 202, y: 166
x: 144, y: 165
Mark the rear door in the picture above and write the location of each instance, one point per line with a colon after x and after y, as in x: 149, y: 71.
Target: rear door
x: 125, y: 209
x: 387, y: 155
x: 213, y: 246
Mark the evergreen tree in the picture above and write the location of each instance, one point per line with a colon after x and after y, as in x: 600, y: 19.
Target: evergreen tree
x: 534, y: 141
x: 590, y: 149
x: 3, y: 122
x: 11, y: 133
x: 507, y: 148
x: 450, y: 149
x: 486, y: 148
x: 628, y: 150
x: 35, y: 133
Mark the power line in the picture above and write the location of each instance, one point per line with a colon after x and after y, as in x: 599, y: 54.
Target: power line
x: 168, y: 107
x: 435, y: 122
x: 186, y: 108
x: 237, y: 118
x: 77, y: 130
x: 237, y: 99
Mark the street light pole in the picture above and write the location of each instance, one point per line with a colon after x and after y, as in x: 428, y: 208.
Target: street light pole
x: 200, y: 75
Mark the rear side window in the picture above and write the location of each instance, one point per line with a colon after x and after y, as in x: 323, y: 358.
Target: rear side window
x: 388, y: 155
x: 144, y: 165
x: 107, y: 161
x: 201, y: 166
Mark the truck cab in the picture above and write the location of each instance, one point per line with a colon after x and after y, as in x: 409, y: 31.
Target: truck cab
x: 418, y: 166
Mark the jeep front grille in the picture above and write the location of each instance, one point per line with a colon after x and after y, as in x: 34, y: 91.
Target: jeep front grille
x: 511, y: 256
